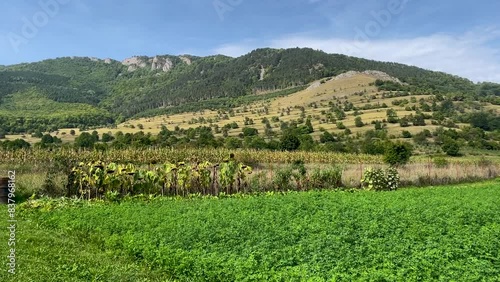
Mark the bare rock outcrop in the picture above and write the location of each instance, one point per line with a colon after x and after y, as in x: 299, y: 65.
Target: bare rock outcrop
x: 156, y: 63
x: 186, y: 60
x: 164, y: 64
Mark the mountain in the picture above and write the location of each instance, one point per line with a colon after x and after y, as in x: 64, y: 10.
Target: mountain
x: 81, y: 92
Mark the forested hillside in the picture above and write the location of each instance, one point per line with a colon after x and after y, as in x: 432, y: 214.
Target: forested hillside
x: 82, y: 92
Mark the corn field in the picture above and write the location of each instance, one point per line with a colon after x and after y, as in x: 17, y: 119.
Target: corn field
x: 160, y: 155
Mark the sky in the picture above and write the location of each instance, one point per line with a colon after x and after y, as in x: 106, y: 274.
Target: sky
x: 457, y: 37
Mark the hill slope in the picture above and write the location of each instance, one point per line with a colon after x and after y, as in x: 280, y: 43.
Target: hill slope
x: 143, y: 86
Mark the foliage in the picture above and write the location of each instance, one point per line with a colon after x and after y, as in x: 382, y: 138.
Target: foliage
x: 17, y: 144
x: 379, y: 180
x: 98, y: 179
x: 289, y: 141
x: 358, y: 122
x: 85, y: 140
x: 398, y: 153
x: 451, y: 147
x: 485, y: 120
x: 327, y: 178
x: 249, y: 131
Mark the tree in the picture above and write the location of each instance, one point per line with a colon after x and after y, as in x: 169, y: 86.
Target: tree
x: 234, y: 125
x: 233, y: 143
x: 373, y: 147
x: 309, y: 126
x: 249, y: 131
x: 38, y: 134
x: 406, y: 134
x: 419, y: 120
x: 306, y: 142
x: 106, y: 137
x: 95, y: 135
x: 47, y: 139
x: 268, y: 132
x: 398, y: 153
x: 392, y: 116
x: 255, y: 142
x: 481, y: 120
x: 72, y: 132
x: 358, y: 122
x: 14, y: 145
x: 404, y: 122
x: 289, y: 141
x: 85, y: 140
x: 451, y: 147
x: 326, y: 137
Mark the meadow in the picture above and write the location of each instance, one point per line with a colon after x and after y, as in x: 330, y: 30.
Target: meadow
x: 448, y: 233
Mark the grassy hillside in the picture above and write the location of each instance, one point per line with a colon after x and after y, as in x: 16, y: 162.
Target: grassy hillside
x: 332, y: 105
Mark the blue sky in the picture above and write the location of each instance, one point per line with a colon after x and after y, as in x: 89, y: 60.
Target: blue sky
x: 459, y: 37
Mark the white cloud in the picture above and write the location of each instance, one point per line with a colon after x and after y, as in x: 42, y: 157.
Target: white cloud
x: 469, y: 55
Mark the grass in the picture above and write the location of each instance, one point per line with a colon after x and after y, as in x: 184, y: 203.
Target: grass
x: 440, y: 233
x: 55, y: 255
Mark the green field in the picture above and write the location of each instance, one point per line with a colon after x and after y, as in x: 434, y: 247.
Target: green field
x: 440, y: 233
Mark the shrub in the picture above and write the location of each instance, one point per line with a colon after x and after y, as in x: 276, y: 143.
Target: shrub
x: 282, y: 178
x: 249, y: 131
x: 327, y: 178
x: 377, y: 180
x: 451, y: 147
x: 289, y: 142
x: 358, y: 122
x: 398, y: 153
x: 407, y: 134
x: 85, y: 140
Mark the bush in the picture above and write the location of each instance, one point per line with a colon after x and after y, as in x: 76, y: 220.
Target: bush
x: 377, y: 180
x: 327, y: 178
x: 358, y: 122
x: 407, y: 134
x: 398, y: 153
x: 451, y: 147
x: 85, y: 140
x: 282, y: 179
x: 289, y: 142
x: 249, y: 131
